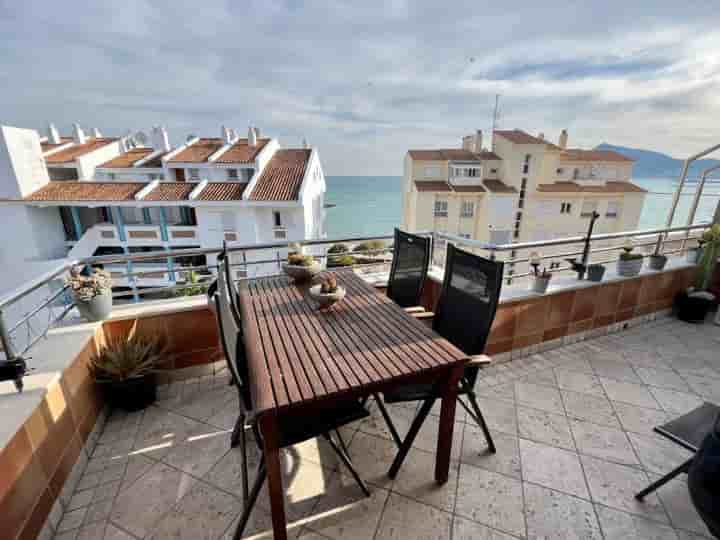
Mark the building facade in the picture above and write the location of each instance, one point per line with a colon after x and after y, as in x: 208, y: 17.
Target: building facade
x: 526, y: 189
x: 84, y: 196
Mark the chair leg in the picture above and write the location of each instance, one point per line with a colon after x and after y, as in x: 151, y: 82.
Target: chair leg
x: 342, y: 442
x: 410, y: 437
x: 249, y: 503
x: 481, y: 421
x: 237, y: 431
x: 243, y: 450
x: 388, y: 421
x: 684, y: 468
x: 345, y: 458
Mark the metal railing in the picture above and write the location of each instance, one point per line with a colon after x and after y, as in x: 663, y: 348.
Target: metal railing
x: 47, y: 311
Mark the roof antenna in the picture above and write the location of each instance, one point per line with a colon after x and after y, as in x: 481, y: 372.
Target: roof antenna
x: 496, y: 117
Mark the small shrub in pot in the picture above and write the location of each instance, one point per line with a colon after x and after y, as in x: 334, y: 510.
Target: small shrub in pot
x: 657, y: 261
x: 595, y: 272
x: 125, y: 368
x: 540, y: 279
x: 92, y: 292
x: 629, y: 264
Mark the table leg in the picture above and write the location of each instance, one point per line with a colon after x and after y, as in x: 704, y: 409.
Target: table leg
x: 447, y: 423
x: 268, y: 428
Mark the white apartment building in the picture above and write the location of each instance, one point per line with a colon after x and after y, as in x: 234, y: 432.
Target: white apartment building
x: 80, y: 195
x: 526, y: 189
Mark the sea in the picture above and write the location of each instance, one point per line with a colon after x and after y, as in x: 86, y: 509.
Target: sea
x: 372, y: 205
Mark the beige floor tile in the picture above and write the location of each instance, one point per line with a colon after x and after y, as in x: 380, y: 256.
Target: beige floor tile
x: 617, y: 525
x: 551, y: 514
x: 593, y: 408
x: 545, y: 427
x: 539, y: 397
x: 417, y: 481
x: 505, y: 460
x: 465, y: 529
x: 635, y: 394
x: 405, y: 518
x: 603, y: 442
x: 553, y: 468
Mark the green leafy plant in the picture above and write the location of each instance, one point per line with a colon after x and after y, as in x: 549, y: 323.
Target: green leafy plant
x: 87, y: 285
x: 627, y: 253
x: 127, y: 358
x: 711, y: 251
x: 193, y: 285
x: 344, y: 260
x: 338, y: 248
x: 328, y: 282
x: 370, y: 246
x: 298, y: 259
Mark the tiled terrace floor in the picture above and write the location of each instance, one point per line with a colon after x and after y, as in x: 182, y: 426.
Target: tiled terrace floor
x: 573, y: 428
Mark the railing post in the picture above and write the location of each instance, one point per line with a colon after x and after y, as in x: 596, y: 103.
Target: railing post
x: 5, y: 338
x: 77, y: 224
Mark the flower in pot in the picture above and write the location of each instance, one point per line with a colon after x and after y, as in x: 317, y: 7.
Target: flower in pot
x: 540, y: 279
x: 301, y: 267
x: 595, y: 272
x: 125, y: 368
x: 657, y: 261
x: 629, y: 264
x: 326, y: 290
x: 92, y: 292
x: 694, y: 304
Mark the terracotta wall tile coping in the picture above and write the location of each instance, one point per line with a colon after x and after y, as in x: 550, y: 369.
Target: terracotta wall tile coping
x: 562, y: 283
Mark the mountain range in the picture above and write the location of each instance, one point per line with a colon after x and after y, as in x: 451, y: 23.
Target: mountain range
x: 651, y: 164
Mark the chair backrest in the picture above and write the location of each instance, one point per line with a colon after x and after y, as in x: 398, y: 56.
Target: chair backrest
x: 231, y: 286
x: 231, y: 333
x: 411, y: 256
x: 468, y: 300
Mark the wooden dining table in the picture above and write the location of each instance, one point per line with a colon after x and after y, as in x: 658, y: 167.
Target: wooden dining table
x: 302, y: 359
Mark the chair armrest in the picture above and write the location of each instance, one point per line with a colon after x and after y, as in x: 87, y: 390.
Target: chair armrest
x: 423, y: 315
x: 414, y: 309
x: 480, y: 360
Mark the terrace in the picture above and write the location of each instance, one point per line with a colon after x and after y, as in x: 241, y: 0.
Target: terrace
x: 581, y: 376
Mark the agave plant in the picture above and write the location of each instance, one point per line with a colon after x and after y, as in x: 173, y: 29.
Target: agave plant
x: 127, y: 358
x: 711, y: 251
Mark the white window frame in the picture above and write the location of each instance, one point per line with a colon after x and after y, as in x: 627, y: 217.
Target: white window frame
x: 613, y: 209
x: 277, y: 219
x: 566, y: 208
x: 440, y: 209
x: 233, y: 175
x: 467, y: 209
x: 193, y: 173
x: 280, y: 234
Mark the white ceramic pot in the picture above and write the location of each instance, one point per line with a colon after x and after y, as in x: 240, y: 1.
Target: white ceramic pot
x: 326, y: 299
x: 539, y: 284
x: 96, y: 309
x: 302, y: 273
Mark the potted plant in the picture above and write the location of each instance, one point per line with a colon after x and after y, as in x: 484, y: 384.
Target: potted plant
x: 595, y: 272
x: 540, y: 278
x: 657, y: 261
x: 326, y: 290
x: 92, y: 292
x: 125, y: 368
x: 694, y: 304
x: 629, y: 263
x: 301, y: 267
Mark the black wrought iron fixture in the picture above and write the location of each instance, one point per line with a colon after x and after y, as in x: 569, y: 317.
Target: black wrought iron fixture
x: 581, y: 266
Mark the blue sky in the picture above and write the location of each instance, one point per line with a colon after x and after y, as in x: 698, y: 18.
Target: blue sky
x: 365, y: 81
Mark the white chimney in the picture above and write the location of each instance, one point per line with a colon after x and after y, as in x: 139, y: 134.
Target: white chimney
x: 562, y: 142
x: 226, y: 135
x: 305, y: 143
x: 79, y: 134
x: 53, y: 135
x: 478, y: 141
x: 252, y: 137
x: 257, y: 133
x: 160, y: 139
x: 468, y: 143
x: 96, y: 133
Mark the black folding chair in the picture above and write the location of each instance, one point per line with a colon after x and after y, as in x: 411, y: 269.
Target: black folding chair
x: 411, y: 256
x: 290, y: 432
x: 704, y: 480
x: 689, y: 431
x: 464, y: 314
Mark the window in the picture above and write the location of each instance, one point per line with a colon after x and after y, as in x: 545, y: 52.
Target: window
x: 566, y: 208
x: 526, y: 164
x: 277, y: 222
x: 464, y: 235
x: 521, y: 201
x: 154, y: 176
x: 576, y: 173
x: 559, y: 171
x: 194, y: 174
x: 432, y: 172
x: 228, y: 221
x: 468, y: 209
x: 613, y: 209
x: 111, y: 176
x: 441, y: 208
x: 280, y: 234
x: 588, y: 208
x: 493, y: 171
x: 523, y: 184
x: 232, y: 174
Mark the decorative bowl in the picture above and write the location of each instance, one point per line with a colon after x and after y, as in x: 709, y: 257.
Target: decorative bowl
x: 302, y: 273
x: 326, y: 299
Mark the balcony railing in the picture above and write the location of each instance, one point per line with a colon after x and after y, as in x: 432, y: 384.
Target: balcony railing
x: 28, y: 313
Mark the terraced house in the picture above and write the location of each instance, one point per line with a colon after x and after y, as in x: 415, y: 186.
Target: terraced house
x: 85, y: 195
x: 524, y: 189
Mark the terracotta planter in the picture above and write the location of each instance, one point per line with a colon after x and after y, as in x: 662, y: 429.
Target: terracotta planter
x: 132, y: 394
x: 98, y: 308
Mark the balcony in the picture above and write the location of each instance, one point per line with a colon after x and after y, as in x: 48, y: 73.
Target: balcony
x: 581, y: 376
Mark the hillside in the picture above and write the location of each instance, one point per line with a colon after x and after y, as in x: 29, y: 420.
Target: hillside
x: 656, y: 164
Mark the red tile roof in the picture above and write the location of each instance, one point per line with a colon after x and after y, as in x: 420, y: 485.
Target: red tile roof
x: 574, y: 187
x: 223, y: 191
x: 241, y: 152
x: 496, y: 186
x: 199, y: 151
x: 126, y: 160
x: 450, y: 154
x: 154, y: 163
x: 86, y: 191
x: 518, y: 136
x: 282, y: 177
x: 76, y: 150
x: 47, y: 146
x: 577, y: 154
x: 171, y: 191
